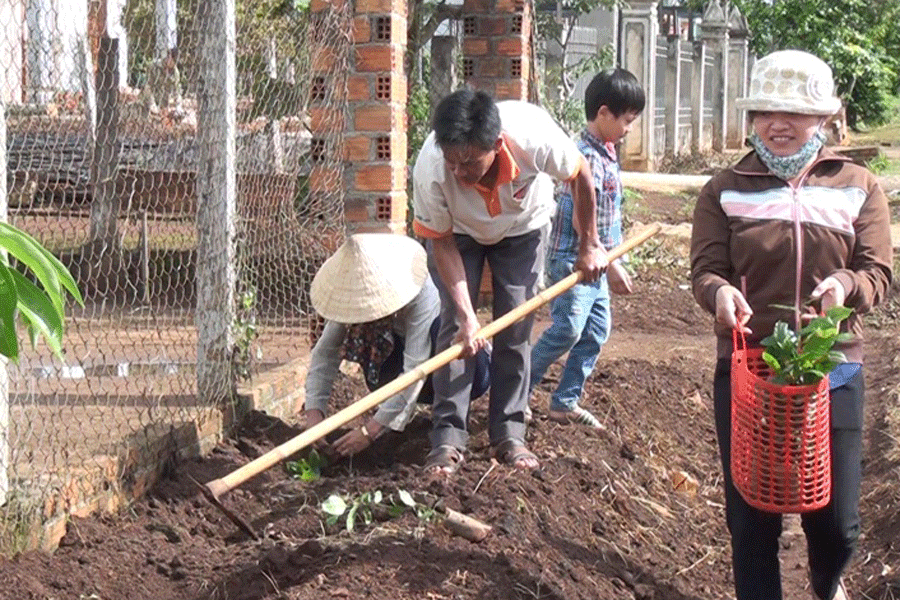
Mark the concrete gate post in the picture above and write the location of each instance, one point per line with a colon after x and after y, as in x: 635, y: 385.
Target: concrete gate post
x: 738, y: 54
x: 714, y: 30
x: 640, y: 28
x: 673, y: 95
x: 699, y: 141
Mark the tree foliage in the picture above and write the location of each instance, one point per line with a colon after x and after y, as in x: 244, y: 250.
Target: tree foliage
x: 555, y: 21
x: 859, y: 39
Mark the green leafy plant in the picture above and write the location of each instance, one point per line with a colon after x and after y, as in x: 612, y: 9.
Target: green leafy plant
x: 245, y: 333
x: 359, y: 507
x: 805, y: 358
x: 40, y: 307
x: 309, y: 468
x: 423, y: 511
x: 365, y: 506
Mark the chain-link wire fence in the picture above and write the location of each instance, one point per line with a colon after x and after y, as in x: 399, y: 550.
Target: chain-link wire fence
x: 106, y: 166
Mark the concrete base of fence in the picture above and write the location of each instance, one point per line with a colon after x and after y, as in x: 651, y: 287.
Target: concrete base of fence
x: 107, y: 482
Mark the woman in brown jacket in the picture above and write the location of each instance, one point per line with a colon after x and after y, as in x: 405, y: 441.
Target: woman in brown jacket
x: 791, y: 223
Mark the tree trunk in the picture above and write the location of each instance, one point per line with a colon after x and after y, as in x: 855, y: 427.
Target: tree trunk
x: 105, y: 159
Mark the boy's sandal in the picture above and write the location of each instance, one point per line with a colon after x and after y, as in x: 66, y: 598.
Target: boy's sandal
x: 513, y: 452
x: 577, y: 416
x: 443, y: 460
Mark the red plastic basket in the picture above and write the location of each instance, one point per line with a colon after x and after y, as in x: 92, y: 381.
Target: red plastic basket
x: 780, y: 443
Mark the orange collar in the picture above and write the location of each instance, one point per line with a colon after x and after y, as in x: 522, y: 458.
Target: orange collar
x: 507, y: 170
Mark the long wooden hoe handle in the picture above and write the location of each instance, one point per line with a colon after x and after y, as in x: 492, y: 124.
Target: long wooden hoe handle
x: 220, y: 486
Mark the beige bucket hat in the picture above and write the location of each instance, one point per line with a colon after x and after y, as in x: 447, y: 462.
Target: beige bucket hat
x: 369, y: 277
x: 791, y: 81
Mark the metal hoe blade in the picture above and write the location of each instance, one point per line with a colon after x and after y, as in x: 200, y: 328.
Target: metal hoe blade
x: 232, y: 516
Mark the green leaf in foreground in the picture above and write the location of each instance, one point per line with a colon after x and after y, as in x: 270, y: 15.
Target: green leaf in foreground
x: 334, y: 505
x: 41, y: 305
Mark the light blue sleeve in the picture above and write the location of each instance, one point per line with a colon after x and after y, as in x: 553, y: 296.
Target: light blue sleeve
x: 324, y: 364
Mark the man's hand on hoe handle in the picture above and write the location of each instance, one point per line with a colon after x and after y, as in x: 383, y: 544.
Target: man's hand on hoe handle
x: 467, y: 334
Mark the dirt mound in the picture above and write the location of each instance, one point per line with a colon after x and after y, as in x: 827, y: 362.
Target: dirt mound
x: 634, y: 512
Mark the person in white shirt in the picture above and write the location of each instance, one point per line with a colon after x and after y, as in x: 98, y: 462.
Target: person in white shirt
x: 482, y: 193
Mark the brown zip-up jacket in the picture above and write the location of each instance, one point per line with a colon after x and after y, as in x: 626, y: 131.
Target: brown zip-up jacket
x: 775, y: 242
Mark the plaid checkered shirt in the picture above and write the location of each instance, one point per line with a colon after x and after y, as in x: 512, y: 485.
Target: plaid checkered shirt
x: 608, y: 184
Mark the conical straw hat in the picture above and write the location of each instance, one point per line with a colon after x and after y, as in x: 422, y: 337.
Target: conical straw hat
x: 369, y: 277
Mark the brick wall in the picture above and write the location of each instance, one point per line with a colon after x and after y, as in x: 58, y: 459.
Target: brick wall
x: 108, y: 482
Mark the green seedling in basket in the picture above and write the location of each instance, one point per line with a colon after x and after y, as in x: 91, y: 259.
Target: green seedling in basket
x: 802, y: 359
x: 805, y: 358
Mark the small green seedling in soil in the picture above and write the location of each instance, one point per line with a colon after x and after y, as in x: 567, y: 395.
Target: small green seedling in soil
x: 806, y: 358
x: 309, y: 468
x: 359, y: 508
x: 423, y: 512
x: 363, y: 508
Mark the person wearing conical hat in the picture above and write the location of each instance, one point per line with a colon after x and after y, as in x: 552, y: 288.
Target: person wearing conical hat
x: 382, y: 312
x: 792, y: 224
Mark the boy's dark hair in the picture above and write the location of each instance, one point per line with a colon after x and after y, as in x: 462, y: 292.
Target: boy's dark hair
x: 617, y: 89
x: 466, y: 118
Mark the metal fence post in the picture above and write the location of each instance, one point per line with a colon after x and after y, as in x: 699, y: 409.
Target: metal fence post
x: 216, y: 189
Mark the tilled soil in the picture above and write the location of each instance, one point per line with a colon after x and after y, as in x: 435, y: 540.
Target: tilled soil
x: 607, y: 516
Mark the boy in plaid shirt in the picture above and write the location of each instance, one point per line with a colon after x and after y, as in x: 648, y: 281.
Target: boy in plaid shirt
x: 581, y: 315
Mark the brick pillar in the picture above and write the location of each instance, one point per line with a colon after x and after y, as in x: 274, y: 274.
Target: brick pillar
x: 327, y: 119
x: 373, y: 146
x: 496, y: 53
x: 496, y: 58
x: 375, y: 171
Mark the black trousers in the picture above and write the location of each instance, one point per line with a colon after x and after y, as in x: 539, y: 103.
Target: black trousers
x: 831, y: 532
x: 515, y: 263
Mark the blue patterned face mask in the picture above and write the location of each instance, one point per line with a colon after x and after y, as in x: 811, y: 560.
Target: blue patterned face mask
x: 788, y: 167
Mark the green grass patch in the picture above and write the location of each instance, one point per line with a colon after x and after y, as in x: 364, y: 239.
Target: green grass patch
x: 19, y: 522
x: 889, y: 133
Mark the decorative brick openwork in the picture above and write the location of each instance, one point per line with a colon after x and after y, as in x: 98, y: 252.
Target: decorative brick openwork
x: 318, y: 91
x: 383, y: 209
x: 383, y: 147
x: 470, y: 25
x: 496, y: 38
x: 468, y: 68
x: 382, y: 29
x: 516, y: 26
x: 383, y: 87
x: 317, y: 149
